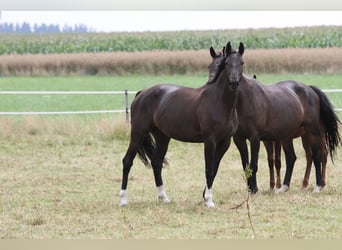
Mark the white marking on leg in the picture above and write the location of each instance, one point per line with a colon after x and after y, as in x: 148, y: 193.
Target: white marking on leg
x: 208, y: 198
x: 123, y: 198
x: 284, y: 188
x: 162, y: 194
x: 317, y: 189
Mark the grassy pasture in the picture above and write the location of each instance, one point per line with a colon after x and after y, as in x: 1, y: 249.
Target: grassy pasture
x: 60, y: 176
x: 131, y: 82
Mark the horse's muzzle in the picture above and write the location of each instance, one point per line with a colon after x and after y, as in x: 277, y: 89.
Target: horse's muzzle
x: 234, y: 85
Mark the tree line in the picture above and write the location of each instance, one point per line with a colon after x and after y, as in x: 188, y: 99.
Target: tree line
x: 26, y: 28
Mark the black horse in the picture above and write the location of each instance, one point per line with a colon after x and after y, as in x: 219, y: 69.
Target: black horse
x: 200, y: 115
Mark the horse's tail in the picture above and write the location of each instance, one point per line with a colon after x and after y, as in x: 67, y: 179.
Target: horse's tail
x: 147, y: 150
x: 330, y: 122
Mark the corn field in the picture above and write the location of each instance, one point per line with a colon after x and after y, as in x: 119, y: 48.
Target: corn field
x: 270, y: 38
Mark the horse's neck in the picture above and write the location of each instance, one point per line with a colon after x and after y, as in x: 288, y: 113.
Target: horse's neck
x: 227, y: 95
x: 250, y: 86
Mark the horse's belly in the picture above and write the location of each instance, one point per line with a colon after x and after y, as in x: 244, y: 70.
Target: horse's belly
x: 282, y: 133
x: 180, y: 129
x: 183, y: 135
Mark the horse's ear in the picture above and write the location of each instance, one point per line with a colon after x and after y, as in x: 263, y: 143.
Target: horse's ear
x: 241, y: 49
x: 213, y: 52
x: 228, y: 49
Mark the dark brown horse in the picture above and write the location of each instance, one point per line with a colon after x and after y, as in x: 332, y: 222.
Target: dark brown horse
x: 280, y: 112
x: 273, y: 148
x: 200, y: 115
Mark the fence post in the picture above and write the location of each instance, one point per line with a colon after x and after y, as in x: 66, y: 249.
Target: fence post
x: 127, y: 108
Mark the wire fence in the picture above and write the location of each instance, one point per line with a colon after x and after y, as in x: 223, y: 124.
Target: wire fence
x: 124, y: 92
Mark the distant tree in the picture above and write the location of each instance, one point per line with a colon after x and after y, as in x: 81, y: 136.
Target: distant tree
x: 67, y: 29
x: 25, y: 28
x: 7, y: 27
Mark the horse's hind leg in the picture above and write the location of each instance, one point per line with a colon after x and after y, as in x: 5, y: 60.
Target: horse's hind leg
x: 319, y: 159
x: 270, y: 159
x: 318, y: 167
x: 317, y: 152
x: 137, y: 138
x: 324, y: 161
x: 290, y: 158
x: 127, y: 162
x: 308, y: 155
x: 162, y: 143
x: 277, y: 160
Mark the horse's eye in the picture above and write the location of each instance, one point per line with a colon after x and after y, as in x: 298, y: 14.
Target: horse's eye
x: 217, y: 63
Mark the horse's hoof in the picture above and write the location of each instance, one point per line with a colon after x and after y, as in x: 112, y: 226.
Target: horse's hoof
x: 123, y: 204
x: 123, y: 196
x: 210, y: 204
x: 164, y: 199
x: 317, y: 189
x: 208, y: 197
x: 305, y: 184
x: 282, y: 189
x: 162, y: 194
x: 254, y: 190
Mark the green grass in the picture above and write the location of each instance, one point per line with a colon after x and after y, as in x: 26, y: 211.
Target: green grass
x: 60, y: 177
x: 132, y: 82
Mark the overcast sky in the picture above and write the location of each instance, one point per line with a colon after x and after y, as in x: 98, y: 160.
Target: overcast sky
x: 111, y: 21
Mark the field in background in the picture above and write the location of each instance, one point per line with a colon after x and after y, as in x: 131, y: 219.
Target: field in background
x: 257, y: 61
x: 60, y: 175
x: 270, y: 38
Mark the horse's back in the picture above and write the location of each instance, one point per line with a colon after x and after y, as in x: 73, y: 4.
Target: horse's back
x: 170, y: 108
x: 273, y: 110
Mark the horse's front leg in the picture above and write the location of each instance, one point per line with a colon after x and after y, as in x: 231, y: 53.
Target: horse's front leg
x: 252, y: 181
x: 209, y: 155
x: 162, y: 143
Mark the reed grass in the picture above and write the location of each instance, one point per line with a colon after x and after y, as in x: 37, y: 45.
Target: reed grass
x: 259, y: 61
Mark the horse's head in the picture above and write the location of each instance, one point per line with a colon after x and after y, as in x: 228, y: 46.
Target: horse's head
x: 234, y: 65
x: 216, y: 64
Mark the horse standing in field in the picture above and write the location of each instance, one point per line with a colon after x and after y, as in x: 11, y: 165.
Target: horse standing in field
x: 200, y: 115
x: 277, y: 113
x: 273, y: 148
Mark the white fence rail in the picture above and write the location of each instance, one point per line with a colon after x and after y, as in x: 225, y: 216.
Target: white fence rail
x: 125, y: 92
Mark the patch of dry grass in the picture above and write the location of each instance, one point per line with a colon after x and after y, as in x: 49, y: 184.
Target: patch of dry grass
x: 65, y: 185
x: 327, y: 60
